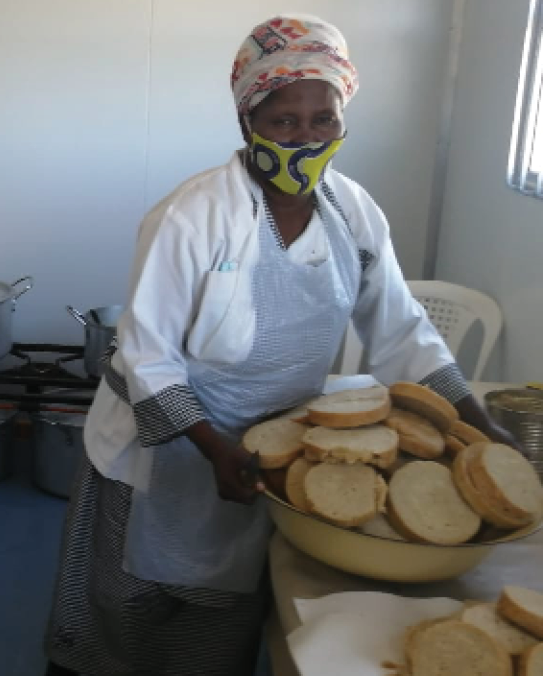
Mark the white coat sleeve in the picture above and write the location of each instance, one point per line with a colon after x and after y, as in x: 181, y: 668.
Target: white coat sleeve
x: 400, y: 342
x: 153, y: 329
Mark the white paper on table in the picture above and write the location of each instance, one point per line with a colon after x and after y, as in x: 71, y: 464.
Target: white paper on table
x: 354, y: 633
x: 339, y: 383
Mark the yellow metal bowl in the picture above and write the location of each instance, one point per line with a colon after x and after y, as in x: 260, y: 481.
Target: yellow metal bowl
x: 377, y: 557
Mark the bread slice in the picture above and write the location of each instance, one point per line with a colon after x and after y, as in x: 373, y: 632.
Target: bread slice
x: 350, y: 408
x: 299, y: 413
x: 417, y: 435
x: 467, y: 434
x: 424, y: 401
x: 278, y: 441
x: 380, y: 527
x: 294, y: 485
x: 508, y: 480
x: 345, y: 495
x: 453, y: 446
x: 486, y: 617
x: 374, y: 445
x: 454, y: 648
x: 425, y: 505
x: 523, y: 607
x: 531, y: 661
x: 478, y: 501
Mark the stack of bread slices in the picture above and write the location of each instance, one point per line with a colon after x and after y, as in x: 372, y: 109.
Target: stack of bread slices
x: 396, y: 463
x: 481, y: 639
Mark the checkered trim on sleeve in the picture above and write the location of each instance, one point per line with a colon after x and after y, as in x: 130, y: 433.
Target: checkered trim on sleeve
x: 449, y: 382
x: 162, y: 417
x: 165, y: 415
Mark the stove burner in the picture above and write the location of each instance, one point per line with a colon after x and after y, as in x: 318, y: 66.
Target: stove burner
x: 37, y: 377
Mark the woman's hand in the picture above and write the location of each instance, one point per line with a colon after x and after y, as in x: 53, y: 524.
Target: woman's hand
x: 236, y: 470
x: 235, y: 478
x: 502, y: 436
x: 474, y: 414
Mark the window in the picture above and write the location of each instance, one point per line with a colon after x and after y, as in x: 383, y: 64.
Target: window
x: 525, y: 170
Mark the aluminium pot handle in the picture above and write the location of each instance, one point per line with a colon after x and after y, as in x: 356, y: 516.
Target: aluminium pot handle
x: 29, y: 284
x: 76, y: 315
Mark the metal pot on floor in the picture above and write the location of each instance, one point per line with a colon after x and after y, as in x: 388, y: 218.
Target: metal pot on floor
x: 58, y: 449
x: 100, y: 328
x: 6, y: 443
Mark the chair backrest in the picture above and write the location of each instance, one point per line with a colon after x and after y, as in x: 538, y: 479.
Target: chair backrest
x: 452, y: 309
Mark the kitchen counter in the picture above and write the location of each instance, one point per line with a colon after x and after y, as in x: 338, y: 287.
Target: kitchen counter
x: 296, y: 575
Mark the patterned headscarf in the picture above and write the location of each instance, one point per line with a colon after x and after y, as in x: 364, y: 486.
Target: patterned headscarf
x: 288, y: 48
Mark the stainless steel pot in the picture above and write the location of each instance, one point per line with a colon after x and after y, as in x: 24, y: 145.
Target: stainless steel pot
x: 6, y: 440
x: 100, y: 328
x: 58, y: 450
x: 8, y: 295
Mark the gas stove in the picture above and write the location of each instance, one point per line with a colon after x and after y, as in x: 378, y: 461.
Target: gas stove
x: 39, y: 374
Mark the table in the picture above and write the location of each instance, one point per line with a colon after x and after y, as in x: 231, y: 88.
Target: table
x: 296, y: 575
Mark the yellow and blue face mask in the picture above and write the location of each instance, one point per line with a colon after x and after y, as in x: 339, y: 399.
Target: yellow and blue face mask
x: 294, y: 168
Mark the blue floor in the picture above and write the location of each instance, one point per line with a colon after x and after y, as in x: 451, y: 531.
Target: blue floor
x: 30, y: 531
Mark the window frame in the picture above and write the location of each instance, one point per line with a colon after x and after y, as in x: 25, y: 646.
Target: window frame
x: 529, y: 106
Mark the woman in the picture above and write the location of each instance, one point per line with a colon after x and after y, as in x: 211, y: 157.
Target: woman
x: 244, y: 281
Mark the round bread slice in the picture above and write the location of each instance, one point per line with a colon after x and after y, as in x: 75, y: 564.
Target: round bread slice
x: 531, y: 661
x: 294, y: 485
x: 453, y: 446
x: 486, y: 617
x: 425, y: 505
x: 508, y: 480
x: 478, y: 501
x: 381, y: 528
x: 350, y: 408
x: 523, y: 607
x: 417, y: 435
x: 467, y: 434
x: 278, y: 441
x: 374, y: 445
x: 424, y: 401
x: 454, y: 648
x: 345, y: 495
x: 299, y: 413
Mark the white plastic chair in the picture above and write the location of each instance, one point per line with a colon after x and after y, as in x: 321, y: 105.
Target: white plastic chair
x: 452, y: 309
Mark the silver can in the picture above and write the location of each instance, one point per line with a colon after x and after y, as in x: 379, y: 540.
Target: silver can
x: 520, y: 411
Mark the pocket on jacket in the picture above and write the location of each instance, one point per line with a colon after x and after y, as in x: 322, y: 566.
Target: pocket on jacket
x: 224, y: 328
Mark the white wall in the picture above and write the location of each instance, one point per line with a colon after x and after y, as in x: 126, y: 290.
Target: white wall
x: 108, y: 104
x: 492, y: 237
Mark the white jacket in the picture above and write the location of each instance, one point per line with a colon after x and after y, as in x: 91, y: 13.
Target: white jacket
x: 190, y: 299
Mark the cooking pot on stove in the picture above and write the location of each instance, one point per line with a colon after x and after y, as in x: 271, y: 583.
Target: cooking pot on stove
x: 8, y: 296
x: 58, y: 449
x: 100, y: 328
